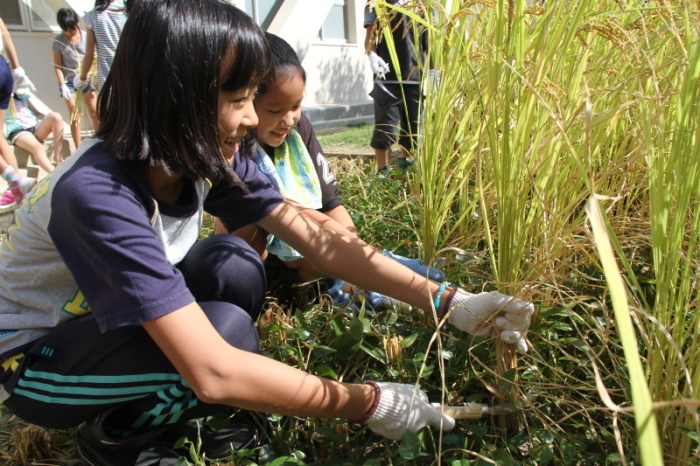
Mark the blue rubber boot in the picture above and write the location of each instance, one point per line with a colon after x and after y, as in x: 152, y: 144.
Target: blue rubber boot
x: 335, y: 291
x: 418, y: 266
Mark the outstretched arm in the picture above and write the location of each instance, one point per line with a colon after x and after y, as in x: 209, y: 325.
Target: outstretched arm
x: 220, y: 373
x: 335, y: 252
x: 341, y: 215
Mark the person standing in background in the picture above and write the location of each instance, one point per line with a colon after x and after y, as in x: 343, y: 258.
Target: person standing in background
x: 68, y: 49
x: 396, y: 90
x: 104, y: 24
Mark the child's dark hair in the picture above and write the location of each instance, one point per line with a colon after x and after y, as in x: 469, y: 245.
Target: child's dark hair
x: 159, y: 103
x: 67, y: 19
x: 284, y: 58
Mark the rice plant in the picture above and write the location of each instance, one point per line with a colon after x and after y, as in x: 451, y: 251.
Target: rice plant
x: 538, y: 107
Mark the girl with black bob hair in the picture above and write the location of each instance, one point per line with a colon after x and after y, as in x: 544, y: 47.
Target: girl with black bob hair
x: 175, y: 128
x: 67, y: 19
x: 115, y: 319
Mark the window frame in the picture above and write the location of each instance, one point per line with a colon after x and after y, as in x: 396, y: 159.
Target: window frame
x: 255, y: 14
x: 319, y: 38
x: 28, y: 24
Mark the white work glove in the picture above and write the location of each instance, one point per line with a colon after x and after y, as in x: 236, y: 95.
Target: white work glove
x: 395, y: 413
x: 379, y: 66
x: 486, y: 314
x: 77, y: 83
x: 22, y: 84
x: 65, y: 92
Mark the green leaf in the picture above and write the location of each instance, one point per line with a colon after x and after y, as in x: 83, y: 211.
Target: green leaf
x: 285, y: 460
x: 502, y: 457
x: 180, y: 443
x: 321, y: 351
x: 410, y: 445
x: 506, y: 383
x: 324, y: 370
x: 408, y: 341
x: 547, y: 454
x: 218, y: 421
x: 357, y: 329
x: 690, y: 433
x: 479, y: 431
x: 346, y: 345
x: 551, y: 311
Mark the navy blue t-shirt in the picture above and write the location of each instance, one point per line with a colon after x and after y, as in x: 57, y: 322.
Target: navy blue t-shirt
x: 92, y: 238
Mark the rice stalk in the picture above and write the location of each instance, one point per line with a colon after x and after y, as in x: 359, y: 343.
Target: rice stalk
x: 647, y: 430
x: 536, y: 108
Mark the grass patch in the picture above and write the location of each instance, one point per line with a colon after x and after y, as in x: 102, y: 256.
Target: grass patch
x: 353, y: 139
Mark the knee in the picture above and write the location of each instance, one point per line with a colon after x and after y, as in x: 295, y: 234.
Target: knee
x: 226, y: 268
x: 219, y: 254
x: 382, y: 138
x: 55, y: 117
x: 234, y: 325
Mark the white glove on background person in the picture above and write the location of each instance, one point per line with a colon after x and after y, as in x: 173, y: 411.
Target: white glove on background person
x: 395, y: 413
x: 379, y: 66
x: 22, y: 84
x: 487, y: 313
x: 77, y: 83
x: 65, y: 92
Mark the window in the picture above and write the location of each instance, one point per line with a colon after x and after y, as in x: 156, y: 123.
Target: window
x: 335, y: 26
x: 263, y: 11
x: 11, y: 14
x: 28, y: 15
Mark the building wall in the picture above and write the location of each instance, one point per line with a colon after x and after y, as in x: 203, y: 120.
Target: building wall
x: 338, y: 71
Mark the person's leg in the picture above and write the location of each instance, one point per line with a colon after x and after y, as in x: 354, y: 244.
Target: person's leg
x: 31, y: 144
x: 117, y: 386
x: 383, y: 158
x: 18, y: 185
x: 74, y: 123
x: 409, y: 119
x: 225, y: 268
x: 75, y: 372
x: 90, y: 100
x: 52, y: 124
x: 386, y: 119
x: 7, y: 156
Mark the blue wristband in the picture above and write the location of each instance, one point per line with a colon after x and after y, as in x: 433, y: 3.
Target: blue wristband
x: 436, y: 301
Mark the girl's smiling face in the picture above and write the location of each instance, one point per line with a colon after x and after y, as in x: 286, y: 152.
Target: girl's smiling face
x: 236, y: 117
x: 279, y: 108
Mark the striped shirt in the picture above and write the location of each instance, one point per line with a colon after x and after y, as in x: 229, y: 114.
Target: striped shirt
x: 107, y: 26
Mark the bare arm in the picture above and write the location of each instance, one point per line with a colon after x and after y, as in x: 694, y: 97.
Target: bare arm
x: 58, y: 67
x: 370, y: 46
x: 9, y: 46
x: 220, y: 373
x: 89, y: 55
x: 31, y: 103
x: 340, y: 214
x: 332, y: 250
x: 337, y: 213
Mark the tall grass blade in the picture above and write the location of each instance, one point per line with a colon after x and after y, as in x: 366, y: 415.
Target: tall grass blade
x: 645, y: 419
